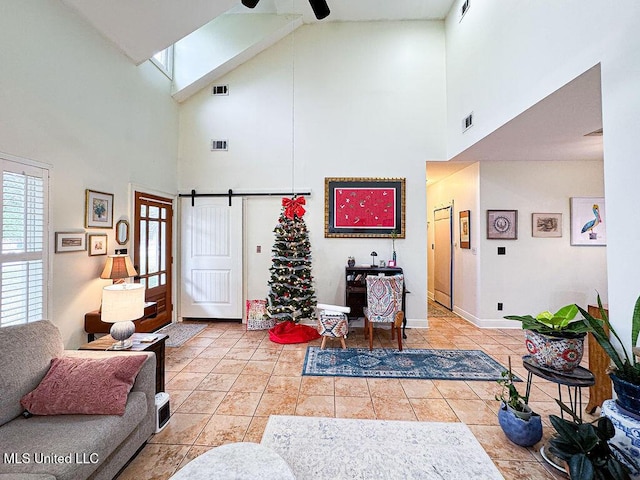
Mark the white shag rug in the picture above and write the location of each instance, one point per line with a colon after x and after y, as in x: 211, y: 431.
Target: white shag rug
x: 349, y: 449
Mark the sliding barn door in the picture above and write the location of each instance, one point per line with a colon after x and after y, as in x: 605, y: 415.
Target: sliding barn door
x: 442, y: 256
x: 211, y: 249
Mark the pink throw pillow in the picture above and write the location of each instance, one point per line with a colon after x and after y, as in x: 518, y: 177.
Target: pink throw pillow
x: 88, y: 386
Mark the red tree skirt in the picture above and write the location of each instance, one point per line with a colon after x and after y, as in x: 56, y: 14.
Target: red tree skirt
x: 290, y: 332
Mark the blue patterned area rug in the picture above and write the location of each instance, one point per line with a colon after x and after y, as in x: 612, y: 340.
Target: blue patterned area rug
x: 410, y: 363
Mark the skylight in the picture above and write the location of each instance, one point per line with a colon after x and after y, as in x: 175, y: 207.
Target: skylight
x: 164, y: 61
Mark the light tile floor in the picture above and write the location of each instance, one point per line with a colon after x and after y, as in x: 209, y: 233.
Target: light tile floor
x: 225, y: 382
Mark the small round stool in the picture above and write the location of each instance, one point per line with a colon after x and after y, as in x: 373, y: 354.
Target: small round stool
x: 333, y: 322
x: 236, y: 461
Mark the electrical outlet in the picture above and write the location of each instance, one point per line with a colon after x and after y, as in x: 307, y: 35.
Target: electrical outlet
x: 499, y: 305
x: 502, y: 250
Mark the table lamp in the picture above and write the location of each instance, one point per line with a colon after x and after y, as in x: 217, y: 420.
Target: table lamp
x: 117, y: 268
x: 122, y: 303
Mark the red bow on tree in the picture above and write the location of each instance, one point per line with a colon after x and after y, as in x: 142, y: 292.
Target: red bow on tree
x: 293, y: 207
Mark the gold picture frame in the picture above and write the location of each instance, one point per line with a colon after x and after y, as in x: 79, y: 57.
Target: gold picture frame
x: 364, y: 207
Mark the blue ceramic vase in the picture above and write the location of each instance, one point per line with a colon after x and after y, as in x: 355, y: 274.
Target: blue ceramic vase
x: 521, y: 432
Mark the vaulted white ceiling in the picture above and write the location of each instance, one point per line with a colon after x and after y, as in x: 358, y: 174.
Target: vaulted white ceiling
x: 141, y: 28
x: 553, y: 129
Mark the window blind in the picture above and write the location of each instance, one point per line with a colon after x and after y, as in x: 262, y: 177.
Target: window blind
x: 23, y: 253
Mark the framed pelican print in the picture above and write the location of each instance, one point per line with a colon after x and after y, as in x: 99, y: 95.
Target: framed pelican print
x: 588, y: 221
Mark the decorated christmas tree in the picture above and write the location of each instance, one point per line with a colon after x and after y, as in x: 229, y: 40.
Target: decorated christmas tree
x: 291, y: 294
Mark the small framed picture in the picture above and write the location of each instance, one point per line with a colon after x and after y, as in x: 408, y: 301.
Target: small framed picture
x: 588, y: 220
x: 98, y: 209
x: 502, y: 224
x: 97, y: 245
x: 391, y: 263
x: 465, y: 229
x: 71, y: 242
x: 546, y: 225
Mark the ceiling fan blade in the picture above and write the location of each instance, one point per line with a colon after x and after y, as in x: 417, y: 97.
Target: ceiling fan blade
x: 320, y: 8
x: 250, y: 3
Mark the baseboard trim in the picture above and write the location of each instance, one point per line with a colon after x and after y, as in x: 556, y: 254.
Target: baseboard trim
x: 487, y: 322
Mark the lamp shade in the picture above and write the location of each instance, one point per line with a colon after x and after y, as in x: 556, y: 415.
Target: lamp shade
x: 118, y: 266
x: 122, y: 302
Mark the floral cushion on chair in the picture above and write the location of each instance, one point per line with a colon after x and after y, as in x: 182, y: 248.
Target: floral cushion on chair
x: 333, y: 324
x: 384, y: 297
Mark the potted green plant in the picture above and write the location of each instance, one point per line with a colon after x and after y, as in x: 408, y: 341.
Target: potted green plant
x: 585, y: 449
x: 554, y: 340
x: 625, y: 373
x: 519, y: 423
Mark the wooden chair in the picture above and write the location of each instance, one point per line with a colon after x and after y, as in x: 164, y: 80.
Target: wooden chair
x: 384, y: 305
x: 332, y: 322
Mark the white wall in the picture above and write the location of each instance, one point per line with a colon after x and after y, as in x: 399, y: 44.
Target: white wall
x: 368, y: 101
x: 505, y: 56
x: 538, y: 274
x: 71, y: 100
x: 463, y: 189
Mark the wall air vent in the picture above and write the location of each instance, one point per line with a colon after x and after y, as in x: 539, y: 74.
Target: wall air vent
x: 467, y: 122
x: 464, y: 8
x: 217, y: 145
x: 220, y: 90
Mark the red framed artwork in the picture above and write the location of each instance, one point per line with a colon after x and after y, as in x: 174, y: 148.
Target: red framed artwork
x: 364, y: 207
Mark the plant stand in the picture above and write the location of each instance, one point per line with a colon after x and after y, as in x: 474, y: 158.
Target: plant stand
x: 574, y: 381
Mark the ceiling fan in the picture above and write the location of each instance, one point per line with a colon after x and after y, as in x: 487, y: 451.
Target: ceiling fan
x: 320, y: 7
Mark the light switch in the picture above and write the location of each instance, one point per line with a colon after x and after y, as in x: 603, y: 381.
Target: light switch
x: 259, y: 249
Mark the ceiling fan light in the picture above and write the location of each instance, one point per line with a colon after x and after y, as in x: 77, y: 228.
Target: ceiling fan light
x: 320, y: 8
x: 250, y: 3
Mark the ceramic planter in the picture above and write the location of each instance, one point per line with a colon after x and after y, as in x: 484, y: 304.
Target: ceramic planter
x: 521, y: 432
x: 558, y: 353
x: 627, y: 437
x: 628, y: 394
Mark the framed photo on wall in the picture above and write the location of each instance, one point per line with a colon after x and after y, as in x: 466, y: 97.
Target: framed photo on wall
x: 502, y: 224
x: 465, y: 229
x: 98, y: 209
x: 364, y: 207
x: 546, y: 225
x: 71, y: 242
x: 97, y: 244
x: 588, y: 221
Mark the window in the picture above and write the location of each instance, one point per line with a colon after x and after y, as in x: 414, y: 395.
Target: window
x: 24, y: 250
x: 164, y: 61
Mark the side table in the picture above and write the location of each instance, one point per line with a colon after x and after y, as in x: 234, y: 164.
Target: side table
x: 157, y: 346
x: 578, y: 378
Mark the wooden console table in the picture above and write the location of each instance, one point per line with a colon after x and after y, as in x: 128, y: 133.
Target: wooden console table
x: 598, y: 364
x: 145, y: 324
x: 156, y: 346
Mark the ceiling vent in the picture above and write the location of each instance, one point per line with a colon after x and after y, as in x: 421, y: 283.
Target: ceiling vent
x: 464, y: 8
x: 467, y: 122
x: 218, y: 145
x: 220, y: 90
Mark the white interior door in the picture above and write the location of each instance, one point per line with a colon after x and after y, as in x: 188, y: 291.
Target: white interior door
x: 211, y: 252
x: 442, y: 257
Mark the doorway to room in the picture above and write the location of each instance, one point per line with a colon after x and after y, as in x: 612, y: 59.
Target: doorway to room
x: 152, y: 253
x: 443, y: 256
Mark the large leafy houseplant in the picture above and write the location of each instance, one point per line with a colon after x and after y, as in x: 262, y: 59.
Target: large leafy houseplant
x: 585, y: 448
x: 625, y: 373
x: 562, y: 322
x: 626, y: 366
x: 554, y: 340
